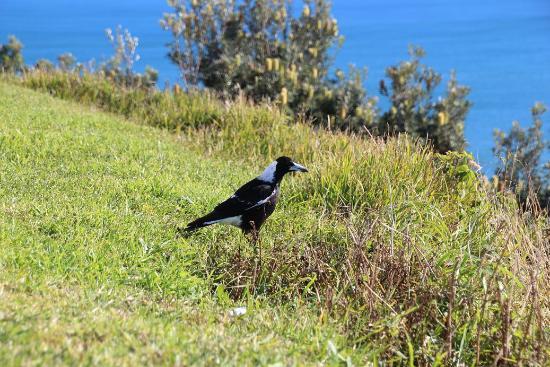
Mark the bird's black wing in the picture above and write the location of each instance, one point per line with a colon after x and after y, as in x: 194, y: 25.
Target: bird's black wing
x: 250, y: 195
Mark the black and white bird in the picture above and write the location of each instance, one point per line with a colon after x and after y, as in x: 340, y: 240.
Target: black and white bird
x: 253, y: 203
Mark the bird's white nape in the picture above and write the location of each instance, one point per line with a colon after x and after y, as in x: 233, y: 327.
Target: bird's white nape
x: 268, y: 175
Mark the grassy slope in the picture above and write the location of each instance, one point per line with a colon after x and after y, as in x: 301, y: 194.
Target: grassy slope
x: 384, y: 237
x: 90, y: 269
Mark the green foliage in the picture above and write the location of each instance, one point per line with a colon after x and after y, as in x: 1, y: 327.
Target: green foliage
x: 414, y: 110
x: 11, y: 57
x: 260, y: 49
x: 67, y: 62
x: 386, y: 253
x: 520, y: 152
x: 119, y: 68
x: 401, y: 248
x: 45, y: 65
x: 343, y: 102
x: 175, y: 111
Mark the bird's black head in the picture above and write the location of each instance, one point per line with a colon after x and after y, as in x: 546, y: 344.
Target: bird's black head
x: 285, y: 164
x: 280, y: 167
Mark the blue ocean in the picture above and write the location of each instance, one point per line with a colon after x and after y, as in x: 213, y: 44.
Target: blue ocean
x: 500, y: 48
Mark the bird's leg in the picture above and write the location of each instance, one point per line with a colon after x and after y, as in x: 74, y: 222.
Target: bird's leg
x: 239, y: 253
x: 254, y: 241
x: 257, y: 241
x: 254, y: 236
x: 259, y: 244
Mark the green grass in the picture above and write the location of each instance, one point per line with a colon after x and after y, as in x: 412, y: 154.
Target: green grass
x: 385, y: 252
x: 91, y: 271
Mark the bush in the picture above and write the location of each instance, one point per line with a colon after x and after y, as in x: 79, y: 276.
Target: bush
x: 119, y: 68
x: 67, y: 62
x: 261, y: 49
x: 11, y: 57
x: 413, y: 108
x: 44, y: 65
x: 520, y: 153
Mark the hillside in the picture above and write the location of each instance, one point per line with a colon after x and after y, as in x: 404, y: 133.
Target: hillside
x: 364, y: 260
x: 89, y: 206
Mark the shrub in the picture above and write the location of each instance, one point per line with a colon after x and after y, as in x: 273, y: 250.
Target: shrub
x: 11, y: 57
x: 44, y: 65
x: 67, y: 62
x: 262, y: 49
x: 413, y: 108
x: 520, y: 153
x: 119, y: 68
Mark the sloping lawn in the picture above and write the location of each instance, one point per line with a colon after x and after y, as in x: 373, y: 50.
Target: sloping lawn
x: 91, y: 271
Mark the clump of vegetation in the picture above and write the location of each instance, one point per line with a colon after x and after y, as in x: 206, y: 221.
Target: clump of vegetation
x: 411, y: 247
x: 67, y: 62
x: 264, y: 51
x: 117, y: 70
x: 174, y: 111
x: 11, y: 56
x: 44, y: 65
x: 520, y: 153
x: 414, y: 109
x: 120, y: 67
x: 407, y: 234
x: 268, y: 52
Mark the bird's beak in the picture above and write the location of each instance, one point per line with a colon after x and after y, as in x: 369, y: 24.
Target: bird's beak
x: 298, y: 168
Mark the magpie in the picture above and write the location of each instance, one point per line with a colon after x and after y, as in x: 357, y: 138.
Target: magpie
x: 253, y: 203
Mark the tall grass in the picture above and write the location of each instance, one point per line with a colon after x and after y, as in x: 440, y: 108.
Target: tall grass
x: 410, y: 250
x: 150, y: 106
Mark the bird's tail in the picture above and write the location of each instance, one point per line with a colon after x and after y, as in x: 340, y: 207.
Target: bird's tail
x: 194, y: 225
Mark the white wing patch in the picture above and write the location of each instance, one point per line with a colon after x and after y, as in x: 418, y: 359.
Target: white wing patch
x: 233, y: 221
